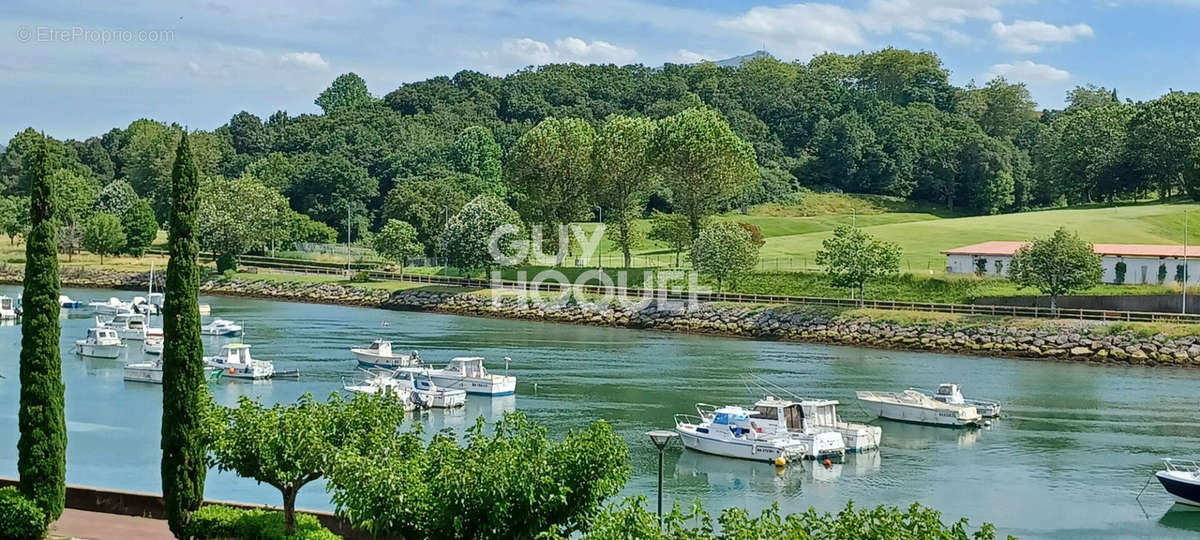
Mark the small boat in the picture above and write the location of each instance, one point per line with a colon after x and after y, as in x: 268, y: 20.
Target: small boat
x: 380, y: 355
x: 235, y: 361
x: 128, y: 325
x: 384, y: 382
x: 221, y: 327
x: 8, y: 310
x: 153, y: 345
x: 111, y: 307
x: 816, y: 421
x: 730, y: 432
x: 466, y: 373
x: 913, y: 406
x: 101, y: 342
x: 152, y: 372
x: 1181, y: 479
x: 204, y: 309
x: 66, y: 302
x: 429, y: 395
x: 949, y: 393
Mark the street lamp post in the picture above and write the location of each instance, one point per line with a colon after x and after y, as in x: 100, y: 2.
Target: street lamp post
x: 661, y: 439
x: 600, y: 245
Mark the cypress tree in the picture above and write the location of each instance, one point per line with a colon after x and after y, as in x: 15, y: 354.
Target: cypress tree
x: 42, y: 449
x: 184, y: 396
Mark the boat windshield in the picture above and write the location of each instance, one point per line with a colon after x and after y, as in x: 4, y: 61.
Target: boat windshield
x: 945, y: 390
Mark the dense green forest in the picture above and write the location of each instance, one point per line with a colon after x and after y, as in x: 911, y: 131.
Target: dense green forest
x: 886, y: 122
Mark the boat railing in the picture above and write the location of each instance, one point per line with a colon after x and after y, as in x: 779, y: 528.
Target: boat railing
x: 687, y: 419
x: 1182, y: 465
x: 706, y: 410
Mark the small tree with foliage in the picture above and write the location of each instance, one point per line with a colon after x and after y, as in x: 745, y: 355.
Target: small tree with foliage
x: 673, y: 230
x: 980, y: 266
x: 622, y: 174
x: 397, y: 241
x: 852, y: 257
x: 104, y: 235
x: 510, y: 483
x: 116, y: 198
x: 724, y: 250
x: 287, y: 446
x: 348, y: 91
x: 140, y: 227
x: 1120, y: 270
x: 1162, y: 273
x: 11, y: 218
x: 465, y: 242
x: 1058, y: 265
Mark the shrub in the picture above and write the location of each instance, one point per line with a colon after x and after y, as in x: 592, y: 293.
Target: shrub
x: 229, y: 274
x: 20, y: 518
x: 216, y: 521
x: 1120, y: 271
x: 361, y: 277
x: 227, y: 261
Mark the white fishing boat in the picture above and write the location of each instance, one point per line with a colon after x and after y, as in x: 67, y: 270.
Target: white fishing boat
x: 815, y: 422
x: 385, y: 382
x: 913, y: 406
x: 380, y: 355
x: 235, y: 361
x: 112, y: 306
x: 730, y: 432
x: 128, y: 325
x: 1181, y: 478
x: 8, y: 310
x: 949, y: 393
x: 100, y: 343
x: 466, y: 373
x: 427, y: 394
x: 152, y: 372
x: 822, y: 414
x: 221, y: 327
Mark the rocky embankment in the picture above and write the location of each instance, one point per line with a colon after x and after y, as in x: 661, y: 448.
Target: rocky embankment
x: 1069, y: 341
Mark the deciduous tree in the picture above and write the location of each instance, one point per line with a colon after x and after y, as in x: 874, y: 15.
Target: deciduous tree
x: 724, y: 250
x: 623, y: 174
x: 140, y: 228
x: 551, y: 170
x: 1059, y: 264
x: 397, y: 242
x: 852, y: 257
x: 465, y: 242
x: 104, y: 235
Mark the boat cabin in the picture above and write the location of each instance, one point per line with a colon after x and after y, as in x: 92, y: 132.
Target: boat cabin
x: 132, y: 321
x: 468, y: 366
x: 236, y: 353
x: 787, y: 414
x: 6, y: 307
x: 102, y: 336
x: 949, y: 393
x: 381, y: 347
x: 739, y: 421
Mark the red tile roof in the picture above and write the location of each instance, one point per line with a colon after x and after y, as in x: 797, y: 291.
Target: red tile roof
x: 1117, y: 250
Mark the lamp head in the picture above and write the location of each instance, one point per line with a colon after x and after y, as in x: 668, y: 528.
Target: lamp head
x: 661, y: 437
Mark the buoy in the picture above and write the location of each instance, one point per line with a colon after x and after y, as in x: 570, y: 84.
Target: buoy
x: 780, y: 462
x: 827, y: 463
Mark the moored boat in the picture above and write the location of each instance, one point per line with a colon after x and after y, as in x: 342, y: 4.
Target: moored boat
x: 152, y: 372
x: 100, y: 343
x: 466, y: 373
x: 221, y: 327
x: 380, y: 355
x: 128, y: 325
x: 235, y: 362
x: 913, y: 406
x: 730, y: 432
x: 1181, y: 478
x: 8, y: 310
x: 427, y: 394
x: 153, y: 345
x: 112, y: 306
x: 378, y: 382
x: 66, y: 302
x: 795, y: 419
x: 950, y: 393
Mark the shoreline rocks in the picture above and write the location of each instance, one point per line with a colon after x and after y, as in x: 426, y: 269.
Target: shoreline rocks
x: 1069, y: 341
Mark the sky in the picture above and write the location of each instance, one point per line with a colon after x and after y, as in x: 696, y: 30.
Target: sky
x: 78, y: 69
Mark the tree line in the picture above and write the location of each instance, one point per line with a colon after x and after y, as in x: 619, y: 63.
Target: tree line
x: 885, y: 122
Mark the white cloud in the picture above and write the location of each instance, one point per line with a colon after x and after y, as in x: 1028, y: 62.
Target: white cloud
x: 306, y: 60
x: 192, y: 66
x: 804, y: 29
x: 1028, y: 72
x: 569, y: 49
x: 691, y: 57
x: 1032, y: 36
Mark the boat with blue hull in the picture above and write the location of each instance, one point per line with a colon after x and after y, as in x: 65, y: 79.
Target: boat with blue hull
x: 1181, y: 479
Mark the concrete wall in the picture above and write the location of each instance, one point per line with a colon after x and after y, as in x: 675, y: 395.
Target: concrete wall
x: 966, y: 264
x: 1138, y: 270
x: 1158, y: 303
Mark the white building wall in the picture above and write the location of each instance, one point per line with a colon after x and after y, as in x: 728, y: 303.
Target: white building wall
x: 966, y: 264
x: 1138, y: 270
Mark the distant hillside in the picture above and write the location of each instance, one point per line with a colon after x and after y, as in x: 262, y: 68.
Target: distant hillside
x: 739, y: 60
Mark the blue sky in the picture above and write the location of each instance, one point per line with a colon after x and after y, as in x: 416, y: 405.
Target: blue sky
x: 75, y: 70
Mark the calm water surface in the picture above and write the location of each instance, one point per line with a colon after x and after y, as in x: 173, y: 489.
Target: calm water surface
x: 1076, y: 444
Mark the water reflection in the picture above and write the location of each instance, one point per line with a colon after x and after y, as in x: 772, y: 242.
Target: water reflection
x: 922, y: 437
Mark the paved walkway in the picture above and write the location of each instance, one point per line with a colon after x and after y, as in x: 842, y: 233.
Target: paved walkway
x: 96, y: 526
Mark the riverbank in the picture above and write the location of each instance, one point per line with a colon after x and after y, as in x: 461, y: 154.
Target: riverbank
x: 1060, y: 340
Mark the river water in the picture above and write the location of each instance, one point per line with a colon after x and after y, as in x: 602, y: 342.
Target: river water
x: 1075, y: 446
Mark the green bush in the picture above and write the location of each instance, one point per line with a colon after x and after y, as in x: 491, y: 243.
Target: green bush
x: 229, y: 274
x: 20, y: 518
x: 361, y: 277
x: 216, y: 521
x: 227, y: 261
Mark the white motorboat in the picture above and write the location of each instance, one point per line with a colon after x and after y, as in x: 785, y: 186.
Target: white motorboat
x: 66, y: 302
x: 796, y: 419
x: 731, y: 432
x: 427, y: 394
x: 1181, y: 479
x: 822, y: 413
x: 152, y: 372
x: 153, y: 345
x: 204, y: 309
x: 466, y: 373
x: 949, y: 393
x: 235, y: 361
x: 8, y: 310
x: 385, y: 382
x: 380, y: 355
x: 101, y: 342
x: 111, y: 307
x: 913, y: 406
x: 221, y: 327
x: 128, y: 325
